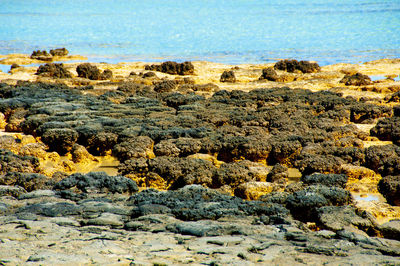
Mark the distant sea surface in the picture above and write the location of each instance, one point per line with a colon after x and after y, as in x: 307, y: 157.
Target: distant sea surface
x: 236, y: 31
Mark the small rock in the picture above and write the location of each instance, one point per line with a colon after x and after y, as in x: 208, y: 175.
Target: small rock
x: 228, y: 76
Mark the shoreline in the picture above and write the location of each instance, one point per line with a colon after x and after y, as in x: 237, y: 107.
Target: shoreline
x: 205, y: 155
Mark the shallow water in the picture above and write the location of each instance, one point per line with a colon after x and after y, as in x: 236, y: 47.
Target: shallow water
x: 236, y: 31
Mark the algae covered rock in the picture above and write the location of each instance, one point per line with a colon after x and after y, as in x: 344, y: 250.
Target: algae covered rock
x: 54, y: 71
x: 173, y: 68
x: 59, y: 52
x: 389, y: 187
x: 294, y: 65
x: 357, y: 79
x: 228, y: 76
x: 98, y: 181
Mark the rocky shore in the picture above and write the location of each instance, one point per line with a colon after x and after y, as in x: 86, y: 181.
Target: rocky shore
x: 198, y: 163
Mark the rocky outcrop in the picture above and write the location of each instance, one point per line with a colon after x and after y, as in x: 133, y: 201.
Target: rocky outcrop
x: 98, y: 181
x: 173, y: 68
x: 54, y: 71
x: 389, y: 187
x: 86, y: 70
x: 297, y: 66
x: 269, y: 74
x: 357, y: 79
x: 59, y: 52
x: 41, y: 55
x: 228, y: 76
x: 388, y: 129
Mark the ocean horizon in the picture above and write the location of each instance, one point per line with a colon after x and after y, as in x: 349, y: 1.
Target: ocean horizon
x: 230, y: 32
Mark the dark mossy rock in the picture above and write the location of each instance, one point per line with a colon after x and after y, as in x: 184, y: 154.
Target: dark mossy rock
x: 357, y: 79
x: 165, y: 86
x: 228, y: 76
x: 277, y: 173
x: 269, y: 74
x: 329, y: 180
x: 54, y: 71
x: 149, y: 75
x: 60, y: 140
x: 14, y: 66
x: 193, y: 203
x: 10, y: 162
x: 28, y: 181
x: 384, y: 159
x: 396, y: 110
x: 233, y: 174
x: 294, y: 65
x: 98, y: 181
x: 59, y: 52
x: 176, y: 99
x: 107, y: 74
x: 326, y: 164
x: 394, y: 98
x: 303, y: 204
x: 363, y: 112
x: 389, y: 187
x: 41, y: 55
x: 173, y: 68
x: 86, y: 70
x: 388, y: 129
x: 141, y: 146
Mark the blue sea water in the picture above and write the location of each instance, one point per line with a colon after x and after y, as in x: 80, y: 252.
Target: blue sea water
x: 235, y: 31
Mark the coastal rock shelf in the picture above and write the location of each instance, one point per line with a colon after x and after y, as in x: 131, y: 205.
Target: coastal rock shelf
x: 242, y: 168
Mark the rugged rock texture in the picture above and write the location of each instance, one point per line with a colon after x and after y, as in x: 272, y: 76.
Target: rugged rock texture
x: 98, y: 181
x: 269, y: 74
x: 297, y: 66
x: 388, y: 129
x: 54, y: 71
x: 41, y: 55
x: 389, y: 187
x: 173, y: 68
x: 86, y: 70
x: 357, y: 79
x: 228, y: 76
x: 59, y: 52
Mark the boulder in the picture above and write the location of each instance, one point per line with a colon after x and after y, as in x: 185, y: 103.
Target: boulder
x: 389, y: 187
x: 165, y: 86
x: 41, y: 55
x: 60, y: 140
x: 98, y: 182
x: 329, y: 180
x: 269, y: 74
x: 86, y: 70
x: 228, y: 76
x: 297, y: 66
x: 173, y: 68
x: 357, y: 79
x: 28, y: 181
x: 54, y: 71
x: 59, y: 52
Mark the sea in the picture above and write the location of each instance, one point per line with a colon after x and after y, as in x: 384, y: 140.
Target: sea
x: 234, y: 32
